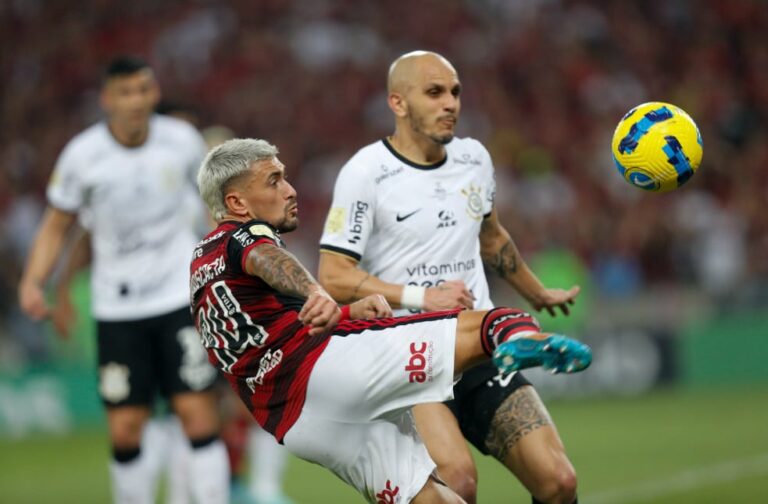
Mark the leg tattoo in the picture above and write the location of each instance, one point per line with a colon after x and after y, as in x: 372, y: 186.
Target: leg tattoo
x: 520, y: 414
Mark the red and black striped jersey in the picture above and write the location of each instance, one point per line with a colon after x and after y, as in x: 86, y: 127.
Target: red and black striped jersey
x: 251, y: 331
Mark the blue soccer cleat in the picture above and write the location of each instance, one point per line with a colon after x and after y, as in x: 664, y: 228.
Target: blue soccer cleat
x: 555, y: 353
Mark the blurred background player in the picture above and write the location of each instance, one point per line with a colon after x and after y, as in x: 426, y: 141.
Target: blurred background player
x: 164, y: 446
x: 413, y: 218
x: 133, y: 177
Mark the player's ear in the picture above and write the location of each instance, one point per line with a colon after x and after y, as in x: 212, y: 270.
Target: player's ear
x: 235, y: 203
x: 397, y: 104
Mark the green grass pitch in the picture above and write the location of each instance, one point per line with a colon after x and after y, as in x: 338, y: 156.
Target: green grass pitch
x: 667, y: 447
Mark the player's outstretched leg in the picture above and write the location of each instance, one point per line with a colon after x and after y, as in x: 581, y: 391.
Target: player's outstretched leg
x: 514, y: 340
x: 518, y: 344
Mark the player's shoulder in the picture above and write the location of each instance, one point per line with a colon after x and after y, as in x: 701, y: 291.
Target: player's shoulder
x: 90, y: 140
x: 467, y: 146
x: 366, y: 159
x: 171, y: 129
x: 470, y: 153
x: 242, y: 236
x: 93, y: 137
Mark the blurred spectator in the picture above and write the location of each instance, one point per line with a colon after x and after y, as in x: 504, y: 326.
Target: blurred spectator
x: 548, y: 80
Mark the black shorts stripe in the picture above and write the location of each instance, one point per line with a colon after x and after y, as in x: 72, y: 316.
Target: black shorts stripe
x: 357, y: 326
x: 342, y: 251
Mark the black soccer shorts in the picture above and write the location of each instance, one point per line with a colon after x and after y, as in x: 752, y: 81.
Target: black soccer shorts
x: 477, y: 396
x: 139, y: 358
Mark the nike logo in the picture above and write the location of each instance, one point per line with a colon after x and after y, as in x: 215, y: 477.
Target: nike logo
x: 401, y: 218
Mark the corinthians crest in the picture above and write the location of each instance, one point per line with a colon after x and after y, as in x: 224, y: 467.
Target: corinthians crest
x: 113, y: 383
x: 474, y: 201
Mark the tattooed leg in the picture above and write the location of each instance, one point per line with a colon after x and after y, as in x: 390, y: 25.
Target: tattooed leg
x: 523, y: 437
x: 521, y: 413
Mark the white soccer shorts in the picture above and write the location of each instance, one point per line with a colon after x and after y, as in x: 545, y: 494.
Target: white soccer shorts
x: 356, y: 420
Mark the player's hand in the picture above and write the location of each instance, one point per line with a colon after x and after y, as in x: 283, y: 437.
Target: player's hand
x: 370, y: 307
x: 32, y: 301
x: 447, y: 296
x: 320, y: 312
x: 556, y: 298
x: 63, y: 315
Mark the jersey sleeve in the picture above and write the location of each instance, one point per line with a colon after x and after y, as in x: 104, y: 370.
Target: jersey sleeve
x: 350, y: 220
x: 65, y: 187
x: 489, y: 182
x: 247, y: 237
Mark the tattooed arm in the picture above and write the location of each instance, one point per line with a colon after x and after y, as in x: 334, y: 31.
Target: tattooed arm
x: 500, y: 254
x: 281, y: 270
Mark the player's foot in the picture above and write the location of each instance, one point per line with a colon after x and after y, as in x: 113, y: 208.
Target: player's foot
x: 555, y: 353
x: 238, y: 493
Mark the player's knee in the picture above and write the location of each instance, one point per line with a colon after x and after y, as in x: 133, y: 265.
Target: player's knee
x: 125, y: 432
x: 199, y: 426
x: 197, y: 415
x: 125, y: 437
x: 462, y: 479
x: 559, y: 486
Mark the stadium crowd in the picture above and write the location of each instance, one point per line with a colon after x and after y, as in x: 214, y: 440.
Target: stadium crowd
x: 546, y: 82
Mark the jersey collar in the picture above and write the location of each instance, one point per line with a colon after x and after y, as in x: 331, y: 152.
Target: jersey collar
x: 432, y: 166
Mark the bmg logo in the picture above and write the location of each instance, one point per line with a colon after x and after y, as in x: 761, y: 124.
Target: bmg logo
x: 356, y: 216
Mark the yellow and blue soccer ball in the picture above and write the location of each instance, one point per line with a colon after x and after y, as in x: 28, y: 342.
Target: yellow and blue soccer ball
x: 657, y: 147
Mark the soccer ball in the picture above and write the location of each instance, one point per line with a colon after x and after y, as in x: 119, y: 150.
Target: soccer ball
x: 657, y: 147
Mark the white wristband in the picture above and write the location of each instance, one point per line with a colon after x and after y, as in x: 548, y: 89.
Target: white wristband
x: 413, y: 297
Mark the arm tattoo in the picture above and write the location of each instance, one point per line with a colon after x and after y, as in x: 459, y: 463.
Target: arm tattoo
x: 504, y: 262
x: 519, y: 415
x: 281, y: 270
x: 354, y: 293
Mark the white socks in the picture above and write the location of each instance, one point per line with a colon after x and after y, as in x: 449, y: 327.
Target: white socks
x: 209, y: 473
x: 180, y: 453
x: 133, y: 481
x: 267, y: 460
x: 194, y: 475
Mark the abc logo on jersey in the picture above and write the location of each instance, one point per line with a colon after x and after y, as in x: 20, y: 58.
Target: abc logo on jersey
x: 419, y: 366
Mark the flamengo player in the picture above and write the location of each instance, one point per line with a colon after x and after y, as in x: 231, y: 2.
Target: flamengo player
x: 133, y: 177
x: 413, y: 218
x: 336, y: 390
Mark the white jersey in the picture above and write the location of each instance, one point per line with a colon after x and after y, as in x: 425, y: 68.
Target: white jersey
x: 141, y: 207
x: 414, y: 224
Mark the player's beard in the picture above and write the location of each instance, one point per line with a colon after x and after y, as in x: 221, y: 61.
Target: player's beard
x: 418, y: 125
x: 289, y: 223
